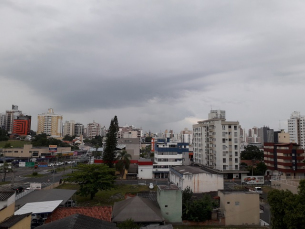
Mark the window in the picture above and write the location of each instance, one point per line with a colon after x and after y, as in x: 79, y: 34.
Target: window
x: 235, y: 134
x: 236, y: 203
x: 224, y: 160
x: 235, y: 127
x: 236, y: 160
x: 236, y: 167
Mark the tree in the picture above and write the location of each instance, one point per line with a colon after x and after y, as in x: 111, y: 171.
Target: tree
x: 123, y: 162
x: 287, y: 209
x: 128, y: 224
x: 111, y: 143
x: 260, y: 169
x: 92, y: 178
x: 3, y: 135
x: 196, y: 210
x: 252, y: 153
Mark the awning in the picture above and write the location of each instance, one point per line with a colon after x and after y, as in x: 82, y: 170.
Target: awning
x: 38, y: 207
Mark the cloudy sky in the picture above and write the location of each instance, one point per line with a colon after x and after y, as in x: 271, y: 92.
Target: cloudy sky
x: 155, y: 64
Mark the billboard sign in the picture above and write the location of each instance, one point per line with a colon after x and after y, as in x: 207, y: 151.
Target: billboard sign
x: 52, y: 148
x: 252, y: 179
x: 21, y: 164
x: 35, y: 185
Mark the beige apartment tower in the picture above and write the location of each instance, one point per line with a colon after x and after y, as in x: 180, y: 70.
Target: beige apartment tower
x: 50, y: 124
x: 216, y: 142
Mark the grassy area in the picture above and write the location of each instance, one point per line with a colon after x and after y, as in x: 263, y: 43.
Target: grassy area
x: 5, y: 182
x: 108, y: 197
x: 14, y: 143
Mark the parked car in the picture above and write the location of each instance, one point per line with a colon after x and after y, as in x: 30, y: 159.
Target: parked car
x: 18, y: 189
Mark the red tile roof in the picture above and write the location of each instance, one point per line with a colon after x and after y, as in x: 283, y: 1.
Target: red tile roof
x: 98, y: 212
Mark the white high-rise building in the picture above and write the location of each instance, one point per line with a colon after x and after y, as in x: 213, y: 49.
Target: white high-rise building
x: 296, y: 125
x: 216, y: 142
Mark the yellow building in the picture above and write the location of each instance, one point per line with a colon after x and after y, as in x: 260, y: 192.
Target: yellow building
x: 50, y: 124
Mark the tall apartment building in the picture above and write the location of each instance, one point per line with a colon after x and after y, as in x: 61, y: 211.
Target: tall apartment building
x: 22, y: 125
x: 50, y: 124
x: 93, y: 129
x: 216, y: 142
x: 186, y: 136
x: 2, y: 121
x: 296, y: 129
x: 78, y: 129
x: 10, y: 116
x: 69, y: 128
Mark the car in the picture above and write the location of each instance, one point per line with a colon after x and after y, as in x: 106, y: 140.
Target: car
x: 151, y: 186
x: 18, y: 189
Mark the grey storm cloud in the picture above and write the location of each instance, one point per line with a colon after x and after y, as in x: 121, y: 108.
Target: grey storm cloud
x: 152, y: 55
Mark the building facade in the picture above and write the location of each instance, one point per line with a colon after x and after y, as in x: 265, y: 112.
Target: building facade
x: 78, y: 129
x: 93, y: 129
x: 166, y: 155
x: 216, y: 142
x: 240, y: 207
x: 10, y: 116
x: 69, y: 128
x: 22, y: 125
x: 50, y: 124
x: 197, y: 179
x: 284, y: 159
x: 296, y: 129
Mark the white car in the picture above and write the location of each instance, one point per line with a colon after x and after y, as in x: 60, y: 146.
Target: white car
x: 151, y: 186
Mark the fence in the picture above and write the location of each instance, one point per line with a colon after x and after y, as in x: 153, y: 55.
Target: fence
x: 24, y: 193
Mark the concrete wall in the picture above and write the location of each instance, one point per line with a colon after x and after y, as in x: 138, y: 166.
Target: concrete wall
x: 7, y: 212
x: 291, y: 185
x: 24, y: 223
x: 202, y: 182
x: 240, y: 208
x: 145, y: 171
x: 170, y: 202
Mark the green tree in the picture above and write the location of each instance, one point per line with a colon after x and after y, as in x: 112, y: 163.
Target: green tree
x: 260, y: 169
x: 196, y: 210
x: 111, y: 143
x: 252, y: 153
x: 67, y: 137
x: 92, y: 178
x: 128, y: 224
x: 3, y: 135
x: 123, y: 162
x: 287, y: 209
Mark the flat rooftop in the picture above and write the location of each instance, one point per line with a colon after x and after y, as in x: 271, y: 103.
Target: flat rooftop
x: 187, y: 169
x: 168, y: 187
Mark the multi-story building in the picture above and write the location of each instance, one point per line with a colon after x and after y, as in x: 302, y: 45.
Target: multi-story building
x: 167, y: 154
x: 22, y: 125
x: 78, y: 129
x: 186, y: 136
x: 284, y: 159
x: 50, y: 124
x: 216, y: 142
x: 130, y: 132
x: 93, y: 129
x: 69, y: 128
x: 2, y: 121
x: 266, y: 134
x: 296, y: 129
x: 10, y: 116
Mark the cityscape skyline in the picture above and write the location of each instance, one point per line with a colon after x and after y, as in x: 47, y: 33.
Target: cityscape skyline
x: 157, y: 65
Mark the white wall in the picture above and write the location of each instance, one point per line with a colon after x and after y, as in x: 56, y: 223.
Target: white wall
x: 203, y: 182
x: 145, y: 172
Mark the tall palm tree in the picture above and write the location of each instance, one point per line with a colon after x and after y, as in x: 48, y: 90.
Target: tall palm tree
x: 123, y: 162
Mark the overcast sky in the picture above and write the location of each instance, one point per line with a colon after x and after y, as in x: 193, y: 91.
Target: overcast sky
x: 155, y: 64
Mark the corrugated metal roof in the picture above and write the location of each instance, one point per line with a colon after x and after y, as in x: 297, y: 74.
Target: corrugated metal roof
x: 39, y: 207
